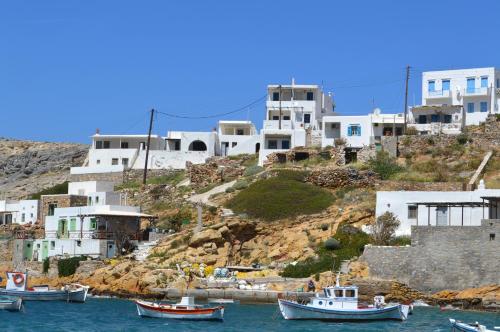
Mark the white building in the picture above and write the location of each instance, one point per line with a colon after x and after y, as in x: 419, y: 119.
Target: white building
x: 18, y: 212
x: 238, y: 137
x: 361, y: 130
x: 94, y: 230
x: 435, y: 208
x: 293, y: 118
x: 454, y: 98
x: 116, y: 153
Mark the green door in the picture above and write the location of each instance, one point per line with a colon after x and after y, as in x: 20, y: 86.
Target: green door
x: 28, y: 250
x: 62, y: 229
x: 45, y: 249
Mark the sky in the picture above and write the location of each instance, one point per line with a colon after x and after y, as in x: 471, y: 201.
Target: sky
x: 68, y: 67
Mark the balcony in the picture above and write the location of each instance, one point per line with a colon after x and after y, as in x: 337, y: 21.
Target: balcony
x: 438, y: 94
x: 292, y: 104
x: 469, y: 92
x: 275, y: 124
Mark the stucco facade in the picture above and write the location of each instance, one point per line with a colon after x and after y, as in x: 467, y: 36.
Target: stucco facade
x: 18, y: 212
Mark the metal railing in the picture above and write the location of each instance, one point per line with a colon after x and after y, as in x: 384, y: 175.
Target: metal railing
x: 439, y: 93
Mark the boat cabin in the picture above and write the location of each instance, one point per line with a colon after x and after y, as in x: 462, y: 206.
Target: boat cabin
x: 337, y: 297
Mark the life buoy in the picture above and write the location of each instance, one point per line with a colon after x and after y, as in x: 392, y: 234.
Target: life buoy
x: 18, y: 279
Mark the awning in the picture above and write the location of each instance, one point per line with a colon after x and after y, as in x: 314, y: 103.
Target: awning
x: 118, y: 214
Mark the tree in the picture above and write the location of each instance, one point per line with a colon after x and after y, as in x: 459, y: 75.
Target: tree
x: 384, y: 228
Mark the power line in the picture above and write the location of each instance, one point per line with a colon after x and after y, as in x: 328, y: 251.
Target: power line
x: 366, y: 85
x: 240, y: 109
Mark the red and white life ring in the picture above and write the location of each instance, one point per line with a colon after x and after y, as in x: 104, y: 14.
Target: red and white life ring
x: 18, y: 279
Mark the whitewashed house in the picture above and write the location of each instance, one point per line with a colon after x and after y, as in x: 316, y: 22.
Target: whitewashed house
x: 18, y: 212
x: 293, y: 117
x: 434, y: 208
x: 98, y: 229
x: 238, y: 137
x: 452, y: 99
x: 361, y: 130
x: 116, y: 153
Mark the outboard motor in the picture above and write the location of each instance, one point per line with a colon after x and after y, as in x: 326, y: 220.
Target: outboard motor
x: 379, y: 301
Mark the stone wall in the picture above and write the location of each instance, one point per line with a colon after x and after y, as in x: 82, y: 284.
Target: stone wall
x: 390, y: 185
x: 341, y: 177
x: 215, y: 170
x: 447, y: 257
x: 116, y: 177
x: 62, y: 201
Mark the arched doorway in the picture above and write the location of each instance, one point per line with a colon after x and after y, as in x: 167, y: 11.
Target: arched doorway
x: 197, y: 146
x: 257, y: 148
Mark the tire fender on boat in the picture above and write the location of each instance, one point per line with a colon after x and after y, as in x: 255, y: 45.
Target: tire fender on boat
x: 18, y: 279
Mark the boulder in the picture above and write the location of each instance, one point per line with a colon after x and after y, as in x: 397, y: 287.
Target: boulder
x: 207, y: 235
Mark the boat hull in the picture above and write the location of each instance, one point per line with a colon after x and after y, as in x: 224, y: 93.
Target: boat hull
x: 462, y: 327
x: 13, y: 304
x: 79, y: 295
x: 293, y: 310
x: 145, y: 310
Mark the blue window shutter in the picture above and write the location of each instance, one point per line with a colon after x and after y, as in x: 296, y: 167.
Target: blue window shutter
x: 431, y: 86
x: 484, y: 106
x: 484, y: 82
x: 470, y: 108
x: 446, y: 85
x: 359, y: 130
x: 349, y: 131
x: 471, y: 84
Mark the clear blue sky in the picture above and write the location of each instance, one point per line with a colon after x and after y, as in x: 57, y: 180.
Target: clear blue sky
x: 68, y: 67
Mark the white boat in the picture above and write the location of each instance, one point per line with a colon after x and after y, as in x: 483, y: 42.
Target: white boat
x: 186, y: 309
x: 10, y: 303
x: 17, y: 286
x: 223, y: 301
x: 458, y: 326
x: 340, y: 303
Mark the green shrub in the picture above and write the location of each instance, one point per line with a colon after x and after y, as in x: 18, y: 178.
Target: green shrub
x: 401, y: 241
x: 240, y: 185
x: 58, y: 189
x: 171, y: 178
x: 212, y: 209
x: 339, y: 141
x: 462, y: 139
x: 230, y: 190
x: 280, y: 197
x: 316, y: 276
x: 174, y: 222
x: 252, y: 170
x: 332, y: 244
x: 67, y: 267
x: 46, y: 265
x: 384, y: 165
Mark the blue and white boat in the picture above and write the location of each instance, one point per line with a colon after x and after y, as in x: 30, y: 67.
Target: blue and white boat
x: 458, y: 326
x: 17, y: 286
x: 340, y: 303
x: 10, y: 303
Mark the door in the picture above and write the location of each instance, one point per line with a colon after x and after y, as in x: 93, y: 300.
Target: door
x: 45, y: 249
x: 111, y: 249
x: 63, y: 229
x: 441, y: 216
x: 471, y: 85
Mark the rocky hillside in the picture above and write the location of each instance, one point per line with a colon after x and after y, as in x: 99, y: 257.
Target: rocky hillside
x: 27, y: 167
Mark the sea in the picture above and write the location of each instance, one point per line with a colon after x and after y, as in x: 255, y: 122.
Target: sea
x: 100, y: 314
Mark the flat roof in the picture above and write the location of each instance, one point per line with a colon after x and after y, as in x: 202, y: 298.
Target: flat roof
x: 123, y: 136
x: 235, y: 122
x: 295, y: 86
x: 452, y: 204
x: 117, y: 214
x: 491, y: 198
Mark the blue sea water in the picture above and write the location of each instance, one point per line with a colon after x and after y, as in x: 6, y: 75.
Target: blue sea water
x: 121, y: 315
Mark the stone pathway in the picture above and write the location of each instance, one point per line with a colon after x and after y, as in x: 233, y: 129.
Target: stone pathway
x: 143, y: 250
x: 204, y: 198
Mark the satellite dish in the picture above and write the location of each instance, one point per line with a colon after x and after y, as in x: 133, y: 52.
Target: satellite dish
x: 377, y: 111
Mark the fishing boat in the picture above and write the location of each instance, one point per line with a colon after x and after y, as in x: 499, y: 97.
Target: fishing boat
x: 10, y: 303
x: 186, y: 309
x: 340, y: 303
x: 223, y: 301
x: 458, y: 326
x: 17, y: 286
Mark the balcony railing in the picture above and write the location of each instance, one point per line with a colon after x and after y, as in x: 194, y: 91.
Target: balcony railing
x: 439, y: 94
x: 275, y: 124
x: 476, y: 91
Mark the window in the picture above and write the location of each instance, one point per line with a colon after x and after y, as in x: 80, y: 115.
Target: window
x: 498, y: 83
x: 471, y: 85
x: 286, y: 117
x: 310, y: 95
x: 51, y: 209
x: 354, y: 130
x: 276, y: 96
x: 276, y: 117
x: 285, y: 144
x: 422, y: 119
x: 412, y: 212
x: 31, y: 215
x: 492, y: 236
x: 338, y: 293
x: 307, y: 118
x: 350, y: 293
x: 431, y: 85
x: 272, y: 144
x: 125, y: 161
x: 106, y: 144
x: 233, y: 144
x: 72, y: 225
x: 434, y: 118
x: 114, y: 161
x: 446, y: 85
x: 98, y: 144
x: 98, y: 161
x: 240, y: 132
x: 484, y: 82
x: 124, y: 145
x: 97, y: 199
x: 93, y: 223
x: 90, y: 200
x: 483, y: 106
x: 78, y: 243
x: 177, y: 145
x: 52, y: 245
x: 23, y: 217
x: 447, y: 118
x: 470, y: 107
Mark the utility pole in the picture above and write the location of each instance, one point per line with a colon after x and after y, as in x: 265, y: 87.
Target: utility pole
x: 147, y: 147
x: 280, y: 106
x: 406, y: 98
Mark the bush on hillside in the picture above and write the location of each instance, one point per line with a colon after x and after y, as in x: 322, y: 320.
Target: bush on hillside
x: 384, y: 228
x: 384, y: 165
x: 280, y: 197
x: 332, y: 244
x: 67, y: 267
x: 58, y: 189
x: 230, y: 190
x: 290, y: 174
x: 252, y: 170
x: 411, y: 131
x: 462, y: 139
x: 240, y: 185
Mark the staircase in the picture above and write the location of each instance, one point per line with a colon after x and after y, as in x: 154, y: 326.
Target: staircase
x: 143, y: 250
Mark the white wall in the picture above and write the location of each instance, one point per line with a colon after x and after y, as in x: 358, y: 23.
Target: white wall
x: 28, y: 208
x: 397, y: 203
x: 244, y: 144
x: 87, y: 247
x: 86, y: 187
